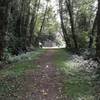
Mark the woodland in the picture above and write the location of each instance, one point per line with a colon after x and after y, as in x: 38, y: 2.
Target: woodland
x: 49, y: 49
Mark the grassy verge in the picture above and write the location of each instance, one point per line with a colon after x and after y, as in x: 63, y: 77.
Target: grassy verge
x: 19, y: 67
x: 12, y: 79
x: 76, y: 83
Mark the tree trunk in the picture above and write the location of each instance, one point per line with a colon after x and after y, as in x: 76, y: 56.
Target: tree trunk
x: 33, y: 21
x: 32, y: 24
x: 67, y: 40
x: 92, y: 33
x: 42, y: 25
x: 43, y: 19
x: 70, y: 10
x: 3, y: 25
x: 98, y: 32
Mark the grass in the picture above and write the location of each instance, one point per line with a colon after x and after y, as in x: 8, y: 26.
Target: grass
x: 18, y: 68
x: 12, y: 78
x: 76, y: 83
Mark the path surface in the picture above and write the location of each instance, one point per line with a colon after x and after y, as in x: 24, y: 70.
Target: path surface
x: 47, y: 80
x: 40, y: 80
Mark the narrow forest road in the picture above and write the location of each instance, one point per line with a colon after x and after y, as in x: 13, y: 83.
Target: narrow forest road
x: 46, y: 79
x: 50, y: 75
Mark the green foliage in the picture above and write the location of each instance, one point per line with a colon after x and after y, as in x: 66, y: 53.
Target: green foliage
x: 83, y: 17
x: 12, y: 78
x: 83, y: 39
x: 50, y: 25
x: 21, y: 63
x: 76, y: 83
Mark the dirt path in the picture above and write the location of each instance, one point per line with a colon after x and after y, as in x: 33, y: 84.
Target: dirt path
x: 46, y: 80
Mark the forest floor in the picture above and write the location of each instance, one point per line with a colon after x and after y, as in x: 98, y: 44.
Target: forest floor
x: 51, y: 76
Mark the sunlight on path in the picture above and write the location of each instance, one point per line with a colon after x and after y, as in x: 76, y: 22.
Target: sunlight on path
x: 56, y: 47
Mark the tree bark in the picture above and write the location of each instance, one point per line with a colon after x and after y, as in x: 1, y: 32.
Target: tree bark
x: 43, y: 19
x: 98, y: 32
x: 33, y: 22
x: 70, y: 10
x: 67, y: 40
x: 92, y: 33
x: 3, y: 25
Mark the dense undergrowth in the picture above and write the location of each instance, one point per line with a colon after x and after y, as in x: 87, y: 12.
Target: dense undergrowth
x: 77, y: 82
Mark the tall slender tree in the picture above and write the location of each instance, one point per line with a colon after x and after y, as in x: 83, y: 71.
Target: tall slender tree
x: 92, y: 35
x: 69, y: 6
x: 3, y: 24
x: 65, y: 34
x: 98, y: 31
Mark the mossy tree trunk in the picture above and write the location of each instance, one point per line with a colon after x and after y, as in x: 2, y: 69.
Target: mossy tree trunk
x: 98, y: 32
x: 3, y: 25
